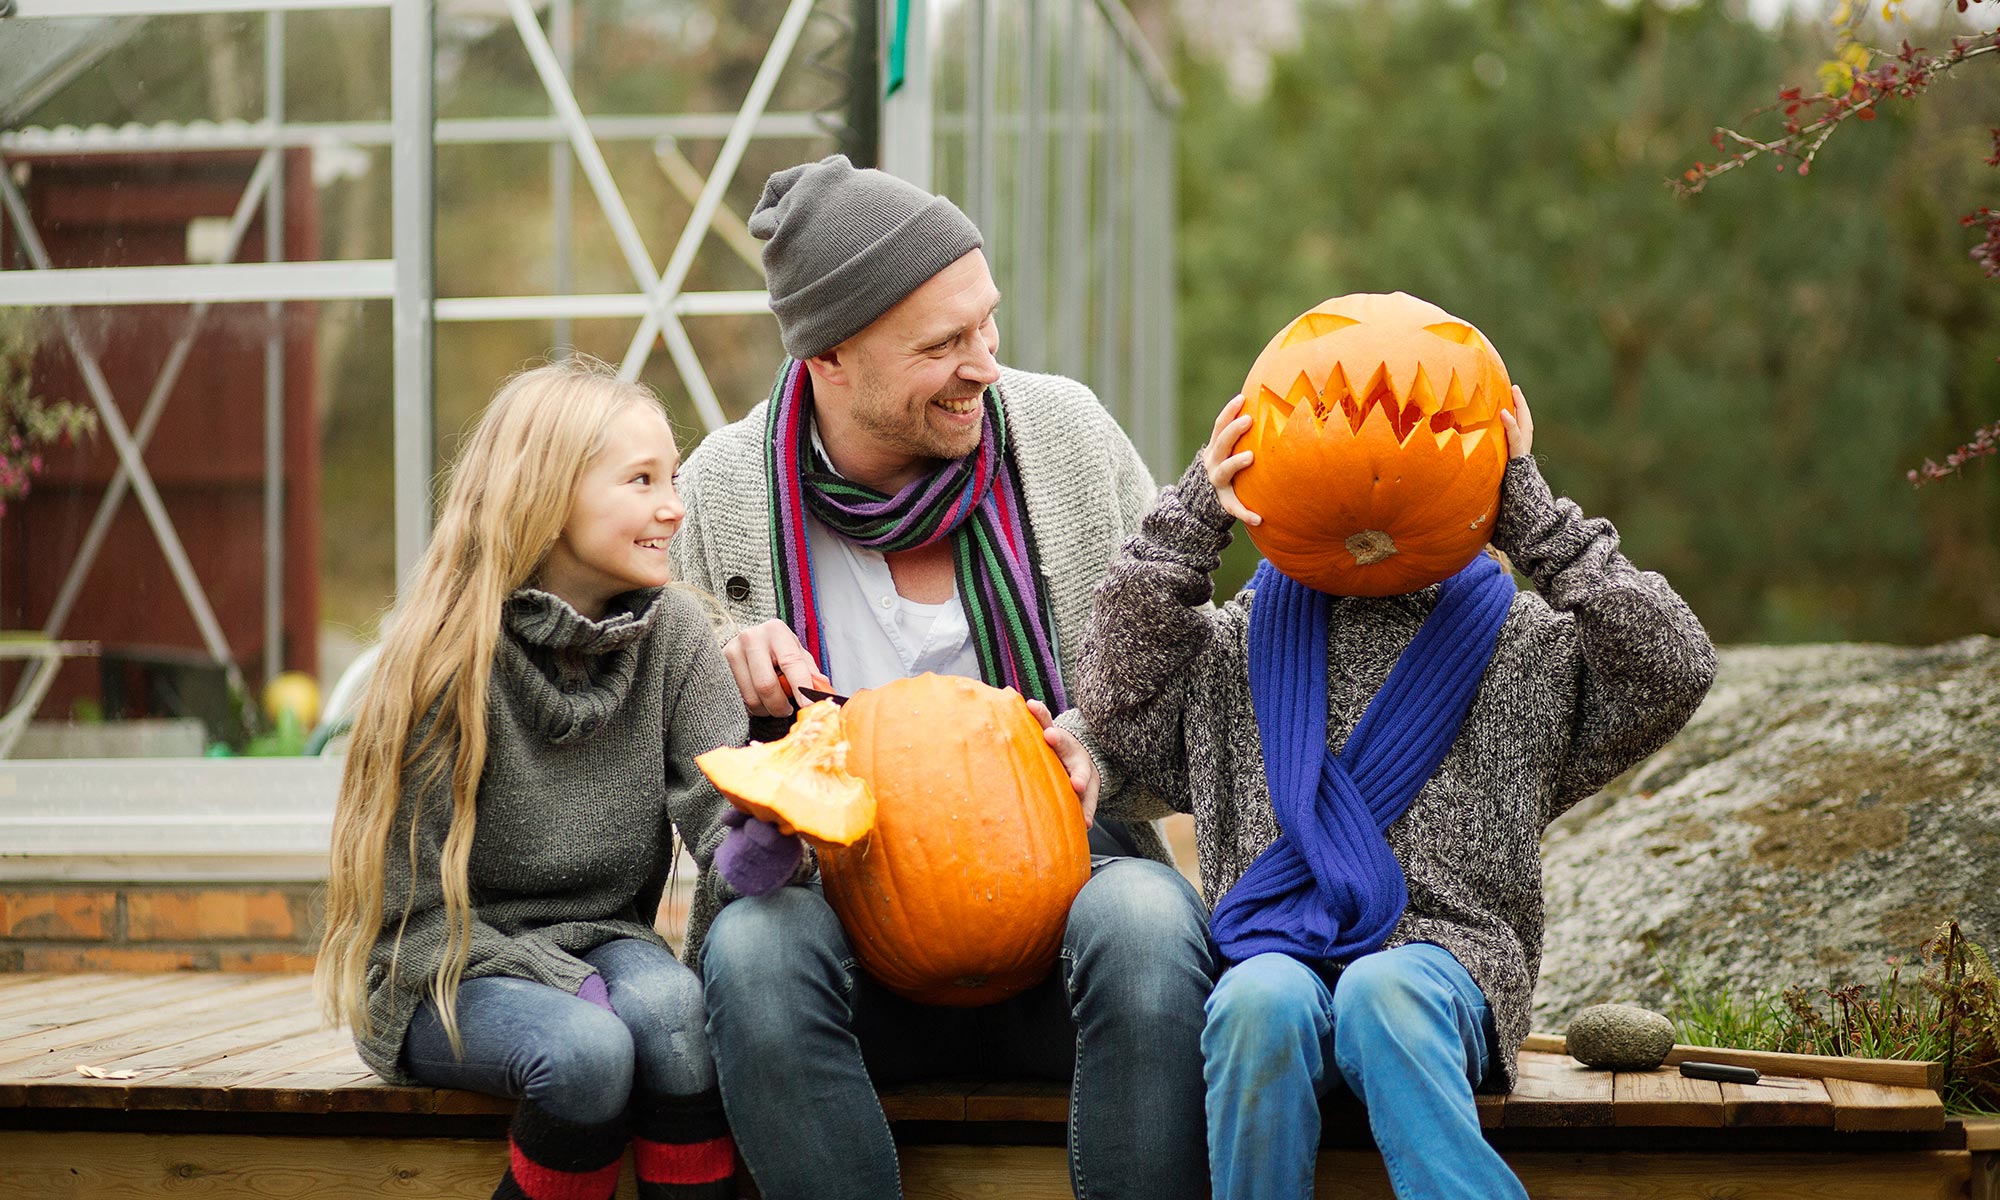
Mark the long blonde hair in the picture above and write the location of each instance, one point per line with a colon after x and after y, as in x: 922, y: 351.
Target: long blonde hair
x: 505, y: 505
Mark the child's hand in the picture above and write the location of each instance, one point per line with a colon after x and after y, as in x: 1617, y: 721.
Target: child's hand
x: 1230, y: 424
x: 1520, y: 425
x: 1075, y: 760
x: 755, y: 857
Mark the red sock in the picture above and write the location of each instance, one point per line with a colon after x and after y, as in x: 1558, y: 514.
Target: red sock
x: 682, y: 1148
x: 549, y: 1158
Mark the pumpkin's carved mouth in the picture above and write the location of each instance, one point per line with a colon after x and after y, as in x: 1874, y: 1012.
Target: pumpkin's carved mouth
x: 1407, y: 403
x: 1454, y: 413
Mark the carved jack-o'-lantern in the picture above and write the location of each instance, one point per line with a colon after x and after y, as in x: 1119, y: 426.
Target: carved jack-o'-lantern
x: 1375, y: 422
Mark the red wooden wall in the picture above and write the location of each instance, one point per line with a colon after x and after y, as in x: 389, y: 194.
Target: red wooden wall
x: 207, y: 453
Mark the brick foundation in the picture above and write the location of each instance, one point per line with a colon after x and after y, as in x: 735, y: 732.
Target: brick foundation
x: 159, y: 927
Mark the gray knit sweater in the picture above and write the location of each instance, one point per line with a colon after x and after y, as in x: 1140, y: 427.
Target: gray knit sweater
x: 592, y: 728
x: 1590, y: 675
x: 1085, y: 488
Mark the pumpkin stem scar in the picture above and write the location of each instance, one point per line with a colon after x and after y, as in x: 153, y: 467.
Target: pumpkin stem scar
x: 1370, y: 546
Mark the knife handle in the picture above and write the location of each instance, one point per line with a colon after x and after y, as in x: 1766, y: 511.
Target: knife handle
x: 1720, y: 1072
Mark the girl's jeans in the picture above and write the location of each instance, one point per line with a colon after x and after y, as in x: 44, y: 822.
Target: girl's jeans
x: 1406, y: 1030
x: 570, y: 1057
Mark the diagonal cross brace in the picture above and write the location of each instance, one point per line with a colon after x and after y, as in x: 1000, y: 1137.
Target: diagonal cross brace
x: 149, y: 416
x: 669, y: 283
x: 127, y: 450
x: 626, y: 231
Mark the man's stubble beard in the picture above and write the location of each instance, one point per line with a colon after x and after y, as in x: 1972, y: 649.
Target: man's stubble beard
x: 877, y: 414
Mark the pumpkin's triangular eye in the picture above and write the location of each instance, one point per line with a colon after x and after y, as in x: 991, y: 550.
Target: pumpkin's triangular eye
x: 1453, y: 331
x: 1315, y: 324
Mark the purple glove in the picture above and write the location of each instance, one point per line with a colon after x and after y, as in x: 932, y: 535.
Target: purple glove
x: 593, y: 990
x: 755, y: 858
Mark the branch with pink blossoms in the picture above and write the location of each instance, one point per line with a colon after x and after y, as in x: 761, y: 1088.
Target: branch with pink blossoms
x: 1984, y: 444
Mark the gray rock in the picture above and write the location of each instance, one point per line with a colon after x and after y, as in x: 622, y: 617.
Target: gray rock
x: 1620, y: 1037
x: 1826, y: 809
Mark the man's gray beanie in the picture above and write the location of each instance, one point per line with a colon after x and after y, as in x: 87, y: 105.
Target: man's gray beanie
x: 842, y: 246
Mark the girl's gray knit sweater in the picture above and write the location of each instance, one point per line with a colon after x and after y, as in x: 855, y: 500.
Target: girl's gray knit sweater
x: 1588, y: 677
x: 591, y: 728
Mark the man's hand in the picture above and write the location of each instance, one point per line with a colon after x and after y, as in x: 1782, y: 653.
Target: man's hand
x: 1075, y: 760
x: 1520, y: 426
x: 1230, y: 424
x: 768, y: 663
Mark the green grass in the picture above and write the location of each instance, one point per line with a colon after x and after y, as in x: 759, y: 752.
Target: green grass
x: 1948, y: 1011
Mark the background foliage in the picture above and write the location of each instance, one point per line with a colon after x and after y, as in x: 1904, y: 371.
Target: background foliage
x: 1738, y: 380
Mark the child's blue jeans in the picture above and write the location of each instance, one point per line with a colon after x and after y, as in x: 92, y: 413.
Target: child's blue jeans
x: 567, y: 1055
x: 1406, y: 1030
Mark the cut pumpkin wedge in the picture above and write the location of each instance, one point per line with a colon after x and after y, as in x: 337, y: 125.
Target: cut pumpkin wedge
x: 800, y: 782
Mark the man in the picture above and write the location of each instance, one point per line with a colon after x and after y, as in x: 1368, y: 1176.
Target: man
x: 903, y: 504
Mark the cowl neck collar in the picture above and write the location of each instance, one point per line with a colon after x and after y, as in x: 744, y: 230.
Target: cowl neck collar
x: 571, y: 672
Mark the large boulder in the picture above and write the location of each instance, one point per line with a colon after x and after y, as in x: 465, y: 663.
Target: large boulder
x: 1826, y: 808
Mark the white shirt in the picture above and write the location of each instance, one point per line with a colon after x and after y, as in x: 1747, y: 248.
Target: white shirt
x: 873, y: 634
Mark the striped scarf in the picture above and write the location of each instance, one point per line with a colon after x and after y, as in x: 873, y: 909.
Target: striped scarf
x: 974, y: 500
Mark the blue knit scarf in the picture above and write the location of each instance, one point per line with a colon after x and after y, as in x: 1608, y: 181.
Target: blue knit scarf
x: 1330, y: 887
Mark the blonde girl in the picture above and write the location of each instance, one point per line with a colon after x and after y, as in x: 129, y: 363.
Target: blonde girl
x: 520, y: 764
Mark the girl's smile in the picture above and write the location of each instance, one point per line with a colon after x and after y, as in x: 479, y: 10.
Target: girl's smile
x: 623, y: 514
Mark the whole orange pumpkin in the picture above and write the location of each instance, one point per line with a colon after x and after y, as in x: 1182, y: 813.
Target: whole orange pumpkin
x: 960, y: 894
x: 1375, y: 422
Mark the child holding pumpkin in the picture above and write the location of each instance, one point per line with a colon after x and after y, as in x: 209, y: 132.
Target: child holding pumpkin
x: 520, y: 764
x: 1370, y: 778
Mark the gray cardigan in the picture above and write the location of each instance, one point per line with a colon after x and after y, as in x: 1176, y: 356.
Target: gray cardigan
x: 1589, y: 676
x: 1085, y: 488
x: 592, y: 728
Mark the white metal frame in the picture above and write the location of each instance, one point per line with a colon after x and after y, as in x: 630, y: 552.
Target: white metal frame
x: 1118, y: 258
x: 407, y: 279
x: 1141, y: 394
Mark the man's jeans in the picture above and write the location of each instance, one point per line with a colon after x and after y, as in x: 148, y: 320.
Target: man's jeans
x: 1406, y: 1030
x: 570, y: 1057
x: 802, y: 1034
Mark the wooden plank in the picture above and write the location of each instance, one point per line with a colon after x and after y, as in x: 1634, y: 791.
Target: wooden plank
x: 930, y: 1100
x: 274, y: 1088
x: 40, y: 999
x: 1492, y: 1110
x: 128, y: 1166
x: 197, y: 1020
x: 138, y: 1026
x: 131, y: 1166
x: 1981, y: 1133
x: 1019, y: 1100
x: 1895, y: 1071
x: 981, y: 1172
x: 1899, y: 1175
x: 1889, y: 1175
x: 59, y: 1085
x: 366, y: 1092
x: 1557, y: 1091
x: 1664, y: 1098
x: 207, y: 1086
x: 1874, y: 1108
x: 1783, y: 1103
x: 1985, y: 1184
x: 305, y: 1090
x: 457, y: 1103
x: 133, y: 995
x: 1546, y: 1043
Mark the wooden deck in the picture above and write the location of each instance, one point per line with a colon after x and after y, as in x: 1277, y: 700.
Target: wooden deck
x: 227, y: 1080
